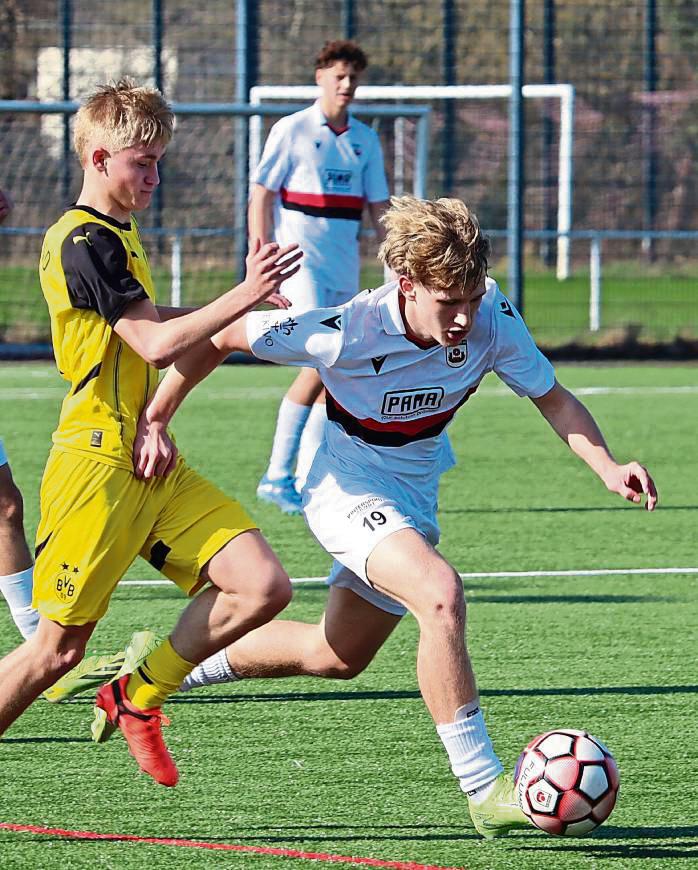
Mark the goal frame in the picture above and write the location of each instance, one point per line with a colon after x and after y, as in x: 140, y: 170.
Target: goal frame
x: 563, y: 92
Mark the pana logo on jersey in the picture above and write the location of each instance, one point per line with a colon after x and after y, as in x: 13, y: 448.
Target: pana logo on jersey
x: 400, y: 403
x: 337, y: 179
x: 456, y: 356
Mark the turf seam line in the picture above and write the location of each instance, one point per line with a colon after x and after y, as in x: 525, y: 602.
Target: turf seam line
x: 225, y: 847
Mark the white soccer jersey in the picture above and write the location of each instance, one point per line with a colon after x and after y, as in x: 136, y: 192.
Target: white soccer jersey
x: 388, y: 399
x: 323, y: 177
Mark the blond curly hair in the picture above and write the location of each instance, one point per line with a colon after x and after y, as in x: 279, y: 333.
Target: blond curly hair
x: 437, y: 243
x: 122, y: 114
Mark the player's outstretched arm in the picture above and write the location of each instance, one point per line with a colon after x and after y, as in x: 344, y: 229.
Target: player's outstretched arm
x: 575, y: 425
x: 160, y: 344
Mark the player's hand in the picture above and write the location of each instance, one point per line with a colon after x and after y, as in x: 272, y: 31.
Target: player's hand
x: 154, y: 452
x: 5, y: 205
x: 631, y: 481
x: 277, y: 300
x: 268, y: 266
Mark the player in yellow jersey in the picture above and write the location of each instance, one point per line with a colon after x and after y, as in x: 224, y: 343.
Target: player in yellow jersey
x: 109, y: 341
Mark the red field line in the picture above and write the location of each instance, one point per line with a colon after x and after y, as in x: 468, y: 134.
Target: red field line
x: 225, y: 847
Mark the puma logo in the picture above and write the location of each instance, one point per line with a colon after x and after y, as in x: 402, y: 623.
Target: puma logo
x: 85, y: 238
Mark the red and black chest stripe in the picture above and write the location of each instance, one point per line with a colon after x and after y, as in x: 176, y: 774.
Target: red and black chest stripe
x: 327, y: 205
x: 393, y: 433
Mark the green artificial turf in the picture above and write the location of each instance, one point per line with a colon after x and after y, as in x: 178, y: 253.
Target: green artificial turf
x: 355, y: 768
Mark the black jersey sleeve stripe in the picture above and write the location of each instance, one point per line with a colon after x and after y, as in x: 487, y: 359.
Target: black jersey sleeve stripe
x: 91, y: 375
x: 96, y: 271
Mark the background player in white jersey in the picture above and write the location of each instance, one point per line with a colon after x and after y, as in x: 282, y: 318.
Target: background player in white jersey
x: 397, y: 363
x: 319, y: 167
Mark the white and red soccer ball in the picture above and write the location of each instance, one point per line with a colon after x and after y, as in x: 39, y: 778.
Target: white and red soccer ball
x: 566, y: 782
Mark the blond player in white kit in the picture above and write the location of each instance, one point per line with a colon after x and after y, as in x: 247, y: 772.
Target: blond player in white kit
x: 397, y: 363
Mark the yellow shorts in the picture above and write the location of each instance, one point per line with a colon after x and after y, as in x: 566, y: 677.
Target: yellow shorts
x: 95, y: 520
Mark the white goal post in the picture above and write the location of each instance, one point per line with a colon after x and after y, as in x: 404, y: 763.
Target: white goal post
x: 563, y: 92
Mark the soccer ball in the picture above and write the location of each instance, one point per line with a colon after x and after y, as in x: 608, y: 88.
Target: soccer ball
x: 566, y: 782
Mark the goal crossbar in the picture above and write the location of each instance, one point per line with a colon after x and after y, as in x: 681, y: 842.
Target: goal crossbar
x: 563, y: 92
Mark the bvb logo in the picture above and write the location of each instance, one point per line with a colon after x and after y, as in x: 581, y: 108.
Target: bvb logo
x: 65, y: 583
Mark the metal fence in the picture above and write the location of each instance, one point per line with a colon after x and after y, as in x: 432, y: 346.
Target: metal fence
x: 631, y: 64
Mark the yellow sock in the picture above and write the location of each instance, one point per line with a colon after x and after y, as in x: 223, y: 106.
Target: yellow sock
x: 159, y: 676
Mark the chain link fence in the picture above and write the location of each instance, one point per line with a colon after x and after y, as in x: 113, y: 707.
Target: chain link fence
x: 634, y: 153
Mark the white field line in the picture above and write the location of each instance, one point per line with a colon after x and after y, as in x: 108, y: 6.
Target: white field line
x: 247, y: 394
x: 484, y: 575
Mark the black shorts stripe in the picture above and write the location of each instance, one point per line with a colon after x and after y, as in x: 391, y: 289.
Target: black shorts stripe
x: 349, y: 214
x: 40, y: 547
x: 158, y: 555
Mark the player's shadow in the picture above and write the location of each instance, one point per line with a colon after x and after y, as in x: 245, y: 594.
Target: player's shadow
x: 408, y: 694
x: 659, y: 846
x: 560, y: 510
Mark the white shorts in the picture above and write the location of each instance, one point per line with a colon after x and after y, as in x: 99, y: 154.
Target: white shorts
x: 305, y: 294
x: 350, y: 512
x: 3, y: 455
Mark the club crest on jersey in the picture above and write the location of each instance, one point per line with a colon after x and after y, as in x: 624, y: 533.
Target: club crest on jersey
x: 404, y: 403
x: 456, y: 356
x: 64, y: 582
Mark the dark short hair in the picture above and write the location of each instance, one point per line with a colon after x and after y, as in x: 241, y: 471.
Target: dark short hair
x: 341, y: 49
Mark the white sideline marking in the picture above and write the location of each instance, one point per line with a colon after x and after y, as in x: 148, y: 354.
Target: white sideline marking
x: 484, y: 575
x: 247, y: 394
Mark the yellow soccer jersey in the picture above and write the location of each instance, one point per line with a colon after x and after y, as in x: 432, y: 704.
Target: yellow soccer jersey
x: 92, y: 268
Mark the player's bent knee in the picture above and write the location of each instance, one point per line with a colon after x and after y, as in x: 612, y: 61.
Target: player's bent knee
x: 443, y: 600
x: 272, y: 592
x: 340, y: 670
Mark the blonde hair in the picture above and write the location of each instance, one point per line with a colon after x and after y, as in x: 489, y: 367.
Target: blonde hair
x: 121, y: 115
x: 437, y: 243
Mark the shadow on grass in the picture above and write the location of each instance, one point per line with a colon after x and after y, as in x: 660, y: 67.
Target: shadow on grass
x: 408, y: 694
x: 649, y: 843
x: 570, y: 599
x: 561, y: 510
x: 46, y: 739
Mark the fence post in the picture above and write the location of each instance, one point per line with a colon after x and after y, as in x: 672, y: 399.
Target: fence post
x: 516, y: 146
x: 595, y: 284
x: 176, y: 270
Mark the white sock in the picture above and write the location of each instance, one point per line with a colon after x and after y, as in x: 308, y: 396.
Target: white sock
x: 289, y: 427
x: 470, y: 751
x: 17, y: 589
x: 313, y: 435
x: 215, y: 669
